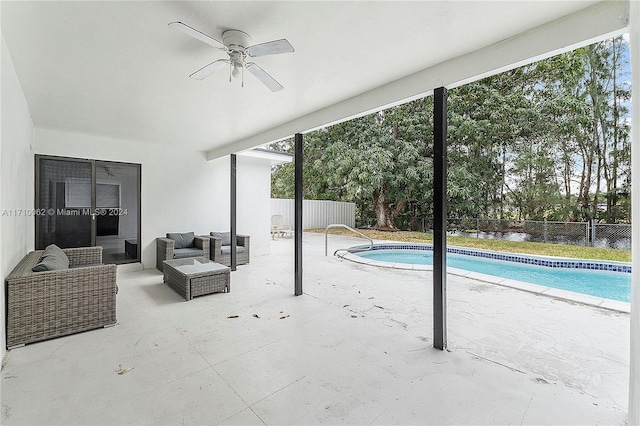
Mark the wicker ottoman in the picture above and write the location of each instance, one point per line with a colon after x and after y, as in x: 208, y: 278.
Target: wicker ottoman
x: 198, y: 276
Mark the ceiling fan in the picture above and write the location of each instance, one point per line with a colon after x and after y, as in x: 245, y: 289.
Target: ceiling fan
x: 237, y: 44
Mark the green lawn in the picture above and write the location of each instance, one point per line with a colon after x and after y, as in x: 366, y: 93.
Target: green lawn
x: 543, y: 249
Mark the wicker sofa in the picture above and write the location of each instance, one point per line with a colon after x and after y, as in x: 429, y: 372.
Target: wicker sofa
x: 221, y: 248
x: 48, y: 304
x: 180, y: 246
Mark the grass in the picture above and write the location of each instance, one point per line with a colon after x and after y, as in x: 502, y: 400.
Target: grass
x: 543, y: 249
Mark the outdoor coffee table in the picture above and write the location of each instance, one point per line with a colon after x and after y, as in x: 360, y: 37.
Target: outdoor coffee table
x: 196, y: 276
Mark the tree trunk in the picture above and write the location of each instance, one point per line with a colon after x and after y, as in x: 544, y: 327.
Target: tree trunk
x: 586, y: 211
x: 386, y: 212
x: 567, y: 179
x: 612, y: 201
x: 504, y: 180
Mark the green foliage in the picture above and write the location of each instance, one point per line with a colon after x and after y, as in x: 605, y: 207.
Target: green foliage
x: 547, y: 140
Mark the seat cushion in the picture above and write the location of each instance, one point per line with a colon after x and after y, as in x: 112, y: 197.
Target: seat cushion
x: 225, y: 236
x: 187, y: 252
x: 227, y: 249
x: 52, y: 259
x: 182, y: 239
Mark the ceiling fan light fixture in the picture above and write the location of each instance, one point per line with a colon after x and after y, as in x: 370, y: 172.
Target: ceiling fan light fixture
x: 236, y: 71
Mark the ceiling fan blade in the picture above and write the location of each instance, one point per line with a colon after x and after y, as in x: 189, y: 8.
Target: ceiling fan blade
x: 270, y: 48
x: 265, y: 78
x: 207, y: 70
x: 184, y: 28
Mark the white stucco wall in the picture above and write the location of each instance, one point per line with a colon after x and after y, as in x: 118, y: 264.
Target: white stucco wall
x: 16, y: 177
x: 253, y: 192
x: 254, y: 202
x: 181, y: 190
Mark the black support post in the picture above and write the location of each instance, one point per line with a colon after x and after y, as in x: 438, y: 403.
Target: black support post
x: 233, y: 211
x: 440, y: 218
x: 298, y: 215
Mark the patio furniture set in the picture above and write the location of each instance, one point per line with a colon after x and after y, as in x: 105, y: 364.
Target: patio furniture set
x: 216, y: 246
x: 198, y: 265
x: 56, y: 292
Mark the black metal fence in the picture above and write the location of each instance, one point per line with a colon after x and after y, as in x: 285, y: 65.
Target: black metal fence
x: 593, y: 234
x: 611, y: 235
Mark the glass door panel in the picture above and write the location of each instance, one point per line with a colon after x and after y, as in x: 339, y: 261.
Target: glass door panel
x: 63, y: 201
x: 118, y: 207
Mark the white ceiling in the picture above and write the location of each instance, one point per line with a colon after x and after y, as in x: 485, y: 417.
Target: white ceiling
x: 115, y: 68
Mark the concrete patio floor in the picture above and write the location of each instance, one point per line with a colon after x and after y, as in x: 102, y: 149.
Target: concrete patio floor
x: 356, y: 348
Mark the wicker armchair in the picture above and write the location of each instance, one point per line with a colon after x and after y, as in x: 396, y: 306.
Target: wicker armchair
x: 166, y: 249
x: 44, y: 305
x: 222, y: 254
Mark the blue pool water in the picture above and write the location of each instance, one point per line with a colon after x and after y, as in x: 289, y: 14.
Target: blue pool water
x: 610, y: 285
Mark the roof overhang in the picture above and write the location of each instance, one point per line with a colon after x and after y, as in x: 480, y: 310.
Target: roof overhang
x: 275, y: 157
x: 117, y: 70
x: 587, y: 26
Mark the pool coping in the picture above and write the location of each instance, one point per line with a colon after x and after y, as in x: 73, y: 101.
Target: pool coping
x: 565, y: 295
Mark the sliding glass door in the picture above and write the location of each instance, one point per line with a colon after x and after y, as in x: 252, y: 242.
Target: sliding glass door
x: 83, y: 203
x: 118, y: 210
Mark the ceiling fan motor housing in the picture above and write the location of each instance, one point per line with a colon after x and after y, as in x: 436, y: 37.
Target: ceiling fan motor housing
x: 236, y: 40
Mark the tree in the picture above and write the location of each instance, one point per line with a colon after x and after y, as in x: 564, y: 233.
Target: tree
x: 383, y: 157
x: 549, y: 140
x: 586, y: 100
x: 381, y: 162
x: 487, y: 119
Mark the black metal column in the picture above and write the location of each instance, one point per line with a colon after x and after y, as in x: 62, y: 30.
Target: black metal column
x: 232, y: 214
x: 298, y: 215
x: 440, y: 218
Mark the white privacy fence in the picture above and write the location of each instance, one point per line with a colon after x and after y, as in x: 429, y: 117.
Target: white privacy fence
x: 316, y: 213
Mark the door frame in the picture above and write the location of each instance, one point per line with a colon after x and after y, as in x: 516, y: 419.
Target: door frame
x: 92, y: 162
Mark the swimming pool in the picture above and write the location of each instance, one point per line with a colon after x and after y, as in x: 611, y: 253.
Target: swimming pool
x: 610, y: 280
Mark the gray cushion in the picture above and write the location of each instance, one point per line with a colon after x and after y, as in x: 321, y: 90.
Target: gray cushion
x: 227, y: 249
x: 182, y: 239
x: 225, y: 236
x: 52, y: 259
x: 187, y: 252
